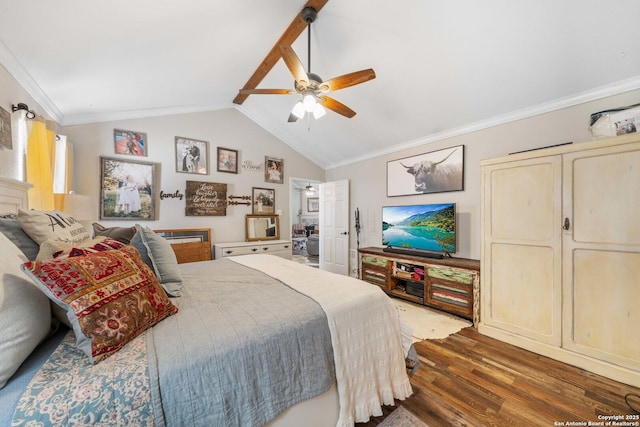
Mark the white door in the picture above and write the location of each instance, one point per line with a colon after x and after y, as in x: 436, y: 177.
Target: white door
x: 334, y: 226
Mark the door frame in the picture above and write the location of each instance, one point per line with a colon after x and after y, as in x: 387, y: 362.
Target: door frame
x: 293, y: 216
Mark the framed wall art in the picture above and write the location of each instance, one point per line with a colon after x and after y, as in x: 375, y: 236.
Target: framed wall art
x: 433, y: 172
x: 263, y: 201
x: 206, y: 199
x: 128, y: 189
x: 192, y: 156
x: 273, y: 170
x: 313, y: 204
x: 130, y: 142
x: 227, y: 160
x: 5, y: 130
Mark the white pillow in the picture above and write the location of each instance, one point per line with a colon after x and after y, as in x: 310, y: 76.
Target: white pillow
x: 25, y: 314
x: 51, y: 225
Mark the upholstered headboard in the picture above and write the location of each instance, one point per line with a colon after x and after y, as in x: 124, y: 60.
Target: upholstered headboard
x: 13, y: 195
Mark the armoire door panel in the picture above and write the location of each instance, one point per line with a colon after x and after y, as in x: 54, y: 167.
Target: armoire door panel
x: 605, y: 204
x: 524, y: 296
x: 605, y: 296
x: 523, y: 199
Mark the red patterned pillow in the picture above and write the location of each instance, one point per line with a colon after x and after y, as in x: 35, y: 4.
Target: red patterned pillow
x: 110, y: 296
x: 51, y: 249
x: 105, y: 245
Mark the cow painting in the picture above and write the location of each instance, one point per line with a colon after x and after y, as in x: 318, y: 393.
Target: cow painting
x: 433, y: 172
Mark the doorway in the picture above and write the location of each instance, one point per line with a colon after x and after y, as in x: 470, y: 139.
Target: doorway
x: 304, y: 212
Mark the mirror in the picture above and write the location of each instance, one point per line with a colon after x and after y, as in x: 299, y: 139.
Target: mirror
x: 262, y: 227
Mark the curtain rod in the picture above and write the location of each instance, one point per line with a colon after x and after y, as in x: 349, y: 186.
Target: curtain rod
x: 22, y: 106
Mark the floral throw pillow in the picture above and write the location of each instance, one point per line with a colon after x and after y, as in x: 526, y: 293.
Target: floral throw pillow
x: 110, y: 297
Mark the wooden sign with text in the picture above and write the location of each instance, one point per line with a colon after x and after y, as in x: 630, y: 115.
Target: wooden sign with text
x: 206, y: 199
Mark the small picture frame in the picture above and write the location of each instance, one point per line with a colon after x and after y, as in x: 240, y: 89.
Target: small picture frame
x: 128, y: 189
x: 5, y: 130
x: 130, y: 142
x: 192, y: 156
x: 313, y: 204
x: 263, y: 201
x: 227, y: 160
x: 273, y: 170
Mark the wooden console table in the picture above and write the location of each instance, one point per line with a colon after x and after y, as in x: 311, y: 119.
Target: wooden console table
x: 448, y: 284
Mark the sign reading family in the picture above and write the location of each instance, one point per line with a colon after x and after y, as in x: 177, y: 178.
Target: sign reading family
x: 206, y: 199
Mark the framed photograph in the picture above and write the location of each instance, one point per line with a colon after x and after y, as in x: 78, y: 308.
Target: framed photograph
x: 313, y: 204
x: 434, y: 172
x: 273, y: 170
x: 263, y: 201
x: 128, y: 189
x: 192, y: 156
x: 227, y: 160
x: 130, y: 142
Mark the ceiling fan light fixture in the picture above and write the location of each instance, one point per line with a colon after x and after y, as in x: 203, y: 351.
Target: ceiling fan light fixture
x: 298, y: 110
x: 318, y: 111
x: 310, y: 189
x: 309, y: 101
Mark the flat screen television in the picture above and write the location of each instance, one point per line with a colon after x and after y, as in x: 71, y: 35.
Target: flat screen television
x: 426, y: 230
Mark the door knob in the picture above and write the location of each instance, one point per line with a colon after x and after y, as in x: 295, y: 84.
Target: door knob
x: 344, y: 233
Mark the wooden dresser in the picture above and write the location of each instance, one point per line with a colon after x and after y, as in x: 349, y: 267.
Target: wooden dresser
x: 281, y: 248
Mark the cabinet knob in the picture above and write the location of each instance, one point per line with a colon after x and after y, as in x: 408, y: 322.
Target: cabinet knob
x: 254, y: 249
x: 567, y: 224
x: 228, y: 252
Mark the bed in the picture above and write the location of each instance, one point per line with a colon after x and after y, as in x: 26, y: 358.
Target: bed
x: 250, y: 340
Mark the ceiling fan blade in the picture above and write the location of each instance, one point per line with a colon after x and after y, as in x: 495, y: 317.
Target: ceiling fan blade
x: 290, y: 35
x: 266, y: 91
x: 336, y: 106
x: 347, y: 80
x: 294, y: 65
x: 292, y: 118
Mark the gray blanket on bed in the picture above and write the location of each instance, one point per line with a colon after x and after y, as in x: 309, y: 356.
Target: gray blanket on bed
x: 242, y: 349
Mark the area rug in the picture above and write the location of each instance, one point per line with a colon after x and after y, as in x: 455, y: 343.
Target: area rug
x: 428, y: 323
x: 402, y: 417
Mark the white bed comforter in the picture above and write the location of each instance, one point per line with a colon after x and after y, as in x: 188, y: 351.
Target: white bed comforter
x: 365, y: 335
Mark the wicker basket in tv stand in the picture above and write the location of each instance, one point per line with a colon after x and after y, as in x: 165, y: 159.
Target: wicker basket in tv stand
x: 448, y: 284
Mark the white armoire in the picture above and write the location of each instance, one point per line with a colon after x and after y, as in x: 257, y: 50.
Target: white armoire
x: 560, y: 264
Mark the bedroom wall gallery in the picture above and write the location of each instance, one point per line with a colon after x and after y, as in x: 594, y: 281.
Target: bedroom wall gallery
x: 230, y: 129
x: 222, y: 150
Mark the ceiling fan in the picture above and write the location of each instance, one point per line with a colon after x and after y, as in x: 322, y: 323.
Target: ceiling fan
x: 310, y: 189
x: 310, y: 85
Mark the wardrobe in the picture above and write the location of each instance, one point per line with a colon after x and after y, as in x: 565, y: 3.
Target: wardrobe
x: 560, y: 262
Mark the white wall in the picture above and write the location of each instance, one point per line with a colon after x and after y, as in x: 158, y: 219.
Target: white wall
x: 368, y: 189
x: 223, y: 128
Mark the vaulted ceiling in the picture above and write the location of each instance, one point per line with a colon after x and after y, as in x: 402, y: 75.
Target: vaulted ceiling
x: 442, y: 67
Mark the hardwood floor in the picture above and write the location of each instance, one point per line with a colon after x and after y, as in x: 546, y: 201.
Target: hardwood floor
x: 469, y: 379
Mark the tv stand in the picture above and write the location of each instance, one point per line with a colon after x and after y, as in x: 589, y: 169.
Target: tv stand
x: 445, y: 283
x: 424, y: 254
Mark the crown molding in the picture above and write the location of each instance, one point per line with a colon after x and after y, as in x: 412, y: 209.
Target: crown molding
x: 21, y: 75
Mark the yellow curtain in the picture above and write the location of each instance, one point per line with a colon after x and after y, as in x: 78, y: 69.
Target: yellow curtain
x: 40, y: 157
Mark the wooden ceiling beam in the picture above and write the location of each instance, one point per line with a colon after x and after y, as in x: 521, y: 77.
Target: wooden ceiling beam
x: 297, y: 26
